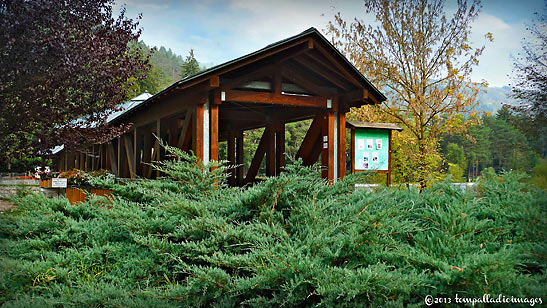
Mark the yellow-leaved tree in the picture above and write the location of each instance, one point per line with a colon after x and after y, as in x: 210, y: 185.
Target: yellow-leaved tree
x: 422, y: 60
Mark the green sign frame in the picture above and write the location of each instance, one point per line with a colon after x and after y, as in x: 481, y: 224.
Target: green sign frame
x: 371, y: 149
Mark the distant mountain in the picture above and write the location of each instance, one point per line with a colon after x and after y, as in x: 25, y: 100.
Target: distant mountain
x: 494, y: 98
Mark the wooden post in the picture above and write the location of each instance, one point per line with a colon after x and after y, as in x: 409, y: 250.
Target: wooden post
x: 82, y: 160
x: 118, y: 160
x: 240, y: 158
x: 197, y: 132
x: 388, y: 175
x: 352, y: 158
x: 103, y: 156
x: 341, y: 145
x: 280, y: 148
x: 231, y: 158
x: 130, y: 154
x: 213, y: 140
x: 186, y: 131
x: 157, y: 148
x: 137, y: 147
x: 269, y: 134
x: 327, y: 150
x: 112, y: 158
x: 147, y: 152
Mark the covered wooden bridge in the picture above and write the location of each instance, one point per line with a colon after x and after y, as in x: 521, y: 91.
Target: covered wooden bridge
x: 302, y: 77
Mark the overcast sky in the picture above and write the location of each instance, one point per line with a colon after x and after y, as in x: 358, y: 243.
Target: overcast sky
x: 219, y: 31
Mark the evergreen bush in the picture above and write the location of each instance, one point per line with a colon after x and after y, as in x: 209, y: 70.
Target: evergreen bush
x: 291, y: 241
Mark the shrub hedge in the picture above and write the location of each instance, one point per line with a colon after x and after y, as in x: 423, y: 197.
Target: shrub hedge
x: 290, y: 241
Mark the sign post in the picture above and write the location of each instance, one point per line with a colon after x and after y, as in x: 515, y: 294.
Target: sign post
x: 371, y: 147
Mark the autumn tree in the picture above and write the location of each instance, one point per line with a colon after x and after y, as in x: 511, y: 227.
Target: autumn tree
x: 60, y: 61
x: 422, y: 60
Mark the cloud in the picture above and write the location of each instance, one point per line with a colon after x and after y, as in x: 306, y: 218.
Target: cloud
x: 496, y: 62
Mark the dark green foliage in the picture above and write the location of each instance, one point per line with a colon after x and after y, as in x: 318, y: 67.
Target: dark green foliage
x: 290, y: 241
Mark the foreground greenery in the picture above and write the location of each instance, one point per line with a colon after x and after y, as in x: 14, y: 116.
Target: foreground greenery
x: 290, y: 241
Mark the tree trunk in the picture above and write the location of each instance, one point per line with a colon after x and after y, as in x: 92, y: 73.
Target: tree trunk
x: 422, y: 166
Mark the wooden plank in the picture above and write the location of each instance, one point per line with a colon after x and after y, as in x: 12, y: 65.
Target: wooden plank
x: 352, y: 162
x: 118, y: 160
x: 312, y: 137
x: 280, y: 148
x: 341, y: 145
x: 93, y: 157
x: 150, y: 170
x: 248, y: 77
x: 240, y: 157
x: 173, y: 131
x: 270, y: 150
x: 327, y: 154
x: 197, y: 132
x: 257, y: 158
x: 303, y: 41
x: 129, y: 151
x: 231, y: 158
x: 314, y: 153
x: 341, y: 67
x: 112, y: 157
x: 277, y: 83
x: 303, y: 80
x: 325, y: 72
x: 273, y: 98
x: 213, y: 127
x: 388, y: 175
x: 186, y: 131
x: 146, y: 153
x: 138, y: 147
x: 158, y: 151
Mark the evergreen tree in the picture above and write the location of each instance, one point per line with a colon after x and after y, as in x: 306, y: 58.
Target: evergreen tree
x: 190, y: 65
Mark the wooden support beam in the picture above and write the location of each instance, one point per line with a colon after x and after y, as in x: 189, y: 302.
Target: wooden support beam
x: 311, y: 138
x: 112, y: 157
x: 173, y: 131
x: 257, y: 158
x: 82, y: 159
x: 150, y: 170
x: 231, y: 158
x: 213, y: 126
x: 300, y: 79
x: 158, y: 151
x: 352, y: 158
x: 250, y: 76
x: 327, y: 151
x: 240, y: 157
x: 102, y: 156
x: 197, y: 132
x: 325, y: 72
x: 273, y: 98
x: 130, y: 154
x: 315, y: 152
x: 280, y: 148
x: 76, y: 160
x: 270, y: 150
x: 342, y: 68
x: 118, y: 160
x: 341, y: 145
x: 388, y: 175
x: 277, y: 83
x: 147, y: 154
x: 137, y: 152
x: 186, y: 132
